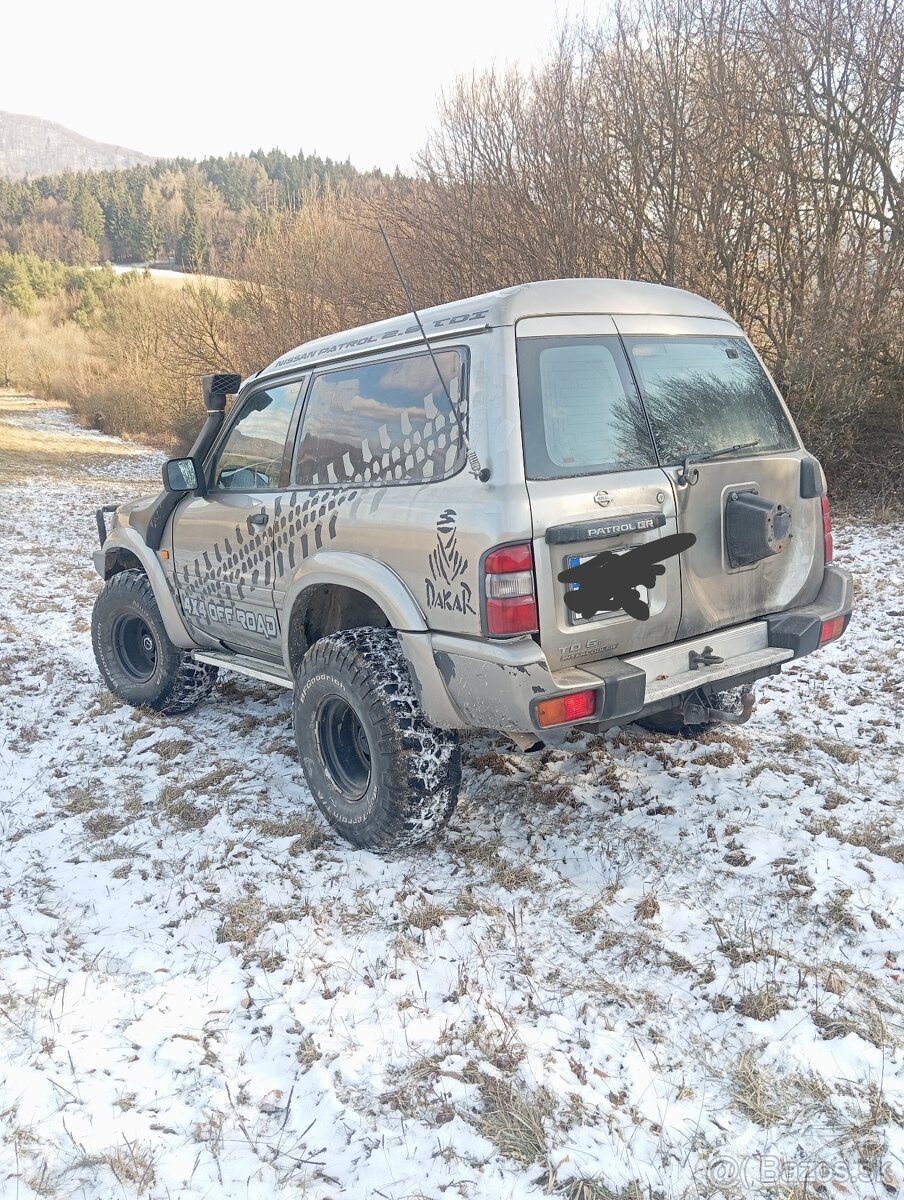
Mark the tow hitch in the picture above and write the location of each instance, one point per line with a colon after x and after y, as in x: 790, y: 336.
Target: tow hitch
x: 696, y: 713
x: 704, y: 659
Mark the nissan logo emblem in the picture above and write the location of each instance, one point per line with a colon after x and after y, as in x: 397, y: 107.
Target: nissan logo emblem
x: 602, y: 499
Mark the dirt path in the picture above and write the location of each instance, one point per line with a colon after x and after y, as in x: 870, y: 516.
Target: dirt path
x: 646, y: 968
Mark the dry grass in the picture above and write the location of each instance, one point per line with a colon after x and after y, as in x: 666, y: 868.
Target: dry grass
x: 876, y: 836
x: 54, y: 449
x: 647, y: 908
x: 505, y: 870
x: 178, y: 807
x: 307, y: 1052
x: 243, y: 921
x: 763, y: 1004
x: 840, y: 751
x: 132, y: 1165
x: 512, y: 1118
x: 306, y: 830
x: 13, y: 402
x: 172, y: 748
x: 595, y: 1189
x: 80, y: 800
x: 493, y: 761
x: 412, y: 1090
x: 427, y: 915
x: 104, y: 824
x: 756, y: 1092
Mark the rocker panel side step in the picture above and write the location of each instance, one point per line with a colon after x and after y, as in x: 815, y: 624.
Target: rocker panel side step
x: 245, y: 665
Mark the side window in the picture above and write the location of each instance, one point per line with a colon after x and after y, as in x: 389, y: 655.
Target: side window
x: 251, y: 457
x: 383, y: 422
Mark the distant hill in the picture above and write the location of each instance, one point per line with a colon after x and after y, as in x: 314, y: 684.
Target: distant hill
x: 32, y: 146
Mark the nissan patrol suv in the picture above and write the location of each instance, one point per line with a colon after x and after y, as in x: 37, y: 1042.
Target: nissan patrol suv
x: 578, y: 503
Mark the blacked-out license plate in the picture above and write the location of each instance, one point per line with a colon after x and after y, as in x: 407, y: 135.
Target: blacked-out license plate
x: 575, y: 560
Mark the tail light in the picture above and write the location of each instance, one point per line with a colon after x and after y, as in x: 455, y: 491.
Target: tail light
x: 832, y: 629
x: 510, y: 591
x: 562, y: 710
x: 827, y: 529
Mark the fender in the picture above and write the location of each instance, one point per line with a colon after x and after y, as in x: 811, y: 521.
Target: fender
x: 363, y: 574
x: 385, y: 588
x: 124, y: 537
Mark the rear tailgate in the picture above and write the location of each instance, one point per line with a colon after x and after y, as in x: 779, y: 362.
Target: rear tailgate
x: 705, y: 389
x: 580, y: 411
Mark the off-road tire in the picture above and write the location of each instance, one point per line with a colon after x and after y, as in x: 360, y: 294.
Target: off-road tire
x: 399, y: 790
x: 669, y: 720
x: 165, y: 678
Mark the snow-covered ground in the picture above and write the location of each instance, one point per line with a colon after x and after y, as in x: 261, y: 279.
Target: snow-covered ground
x: 167, y: 274
x: 645, y: 968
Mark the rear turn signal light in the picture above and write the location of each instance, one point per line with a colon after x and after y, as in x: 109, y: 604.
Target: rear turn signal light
x: 510, y: 591
x: 562, y: 710
x: 827, y: 529
x: 832, y: 629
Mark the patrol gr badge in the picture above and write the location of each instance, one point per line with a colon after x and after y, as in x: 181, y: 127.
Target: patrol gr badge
x: 602, y: 499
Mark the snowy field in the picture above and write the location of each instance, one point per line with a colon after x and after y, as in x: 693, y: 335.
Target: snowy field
x: 648, y: 968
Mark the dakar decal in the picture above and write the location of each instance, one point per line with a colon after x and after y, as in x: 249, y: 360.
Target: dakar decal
x: 446, y: 589
x: 610, y: 581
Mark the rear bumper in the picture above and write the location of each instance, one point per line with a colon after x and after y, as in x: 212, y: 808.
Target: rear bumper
x: 497, y: 685
x: 799, y: 630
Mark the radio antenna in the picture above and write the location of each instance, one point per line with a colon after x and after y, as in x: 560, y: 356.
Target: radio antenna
x: 479, y: 472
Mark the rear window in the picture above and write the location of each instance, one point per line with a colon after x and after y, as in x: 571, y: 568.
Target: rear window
x: 580, y: 411
x: 705, y: 394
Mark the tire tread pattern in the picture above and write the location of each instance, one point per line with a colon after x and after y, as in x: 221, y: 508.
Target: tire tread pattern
x: 422, y: 763
x: 183, y: 682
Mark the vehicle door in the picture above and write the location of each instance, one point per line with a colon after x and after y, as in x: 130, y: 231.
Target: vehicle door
x: 223, y: 541
x: 594, y: 486
x: 379, y: 472
x: 706, y: 391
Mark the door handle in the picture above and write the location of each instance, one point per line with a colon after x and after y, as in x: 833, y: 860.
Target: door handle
x: 260, y: 518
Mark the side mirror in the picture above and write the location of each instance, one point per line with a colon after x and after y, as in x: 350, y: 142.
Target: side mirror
x: 181, y: 475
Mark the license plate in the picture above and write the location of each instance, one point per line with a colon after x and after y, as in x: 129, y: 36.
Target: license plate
x: 575, y: 560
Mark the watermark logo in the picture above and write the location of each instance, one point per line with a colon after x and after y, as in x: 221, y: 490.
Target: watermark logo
x: 744, y: 1172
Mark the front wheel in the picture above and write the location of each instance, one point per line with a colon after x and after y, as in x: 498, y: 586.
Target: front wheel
x: 136, y: 658
x: 380, y: 773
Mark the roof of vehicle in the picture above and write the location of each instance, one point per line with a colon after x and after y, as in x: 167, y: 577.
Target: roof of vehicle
x: 550, y: 297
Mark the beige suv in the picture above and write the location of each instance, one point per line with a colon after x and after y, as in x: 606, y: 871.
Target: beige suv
x: 579, y: 503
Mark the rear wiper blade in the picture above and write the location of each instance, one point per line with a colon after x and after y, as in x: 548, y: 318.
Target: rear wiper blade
x: 684, y: 476
x: 726, y: 450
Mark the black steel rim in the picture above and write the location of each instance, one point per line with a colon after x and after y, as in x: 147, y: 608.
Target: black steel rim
x: 344, y: 747
x: 136, y: 647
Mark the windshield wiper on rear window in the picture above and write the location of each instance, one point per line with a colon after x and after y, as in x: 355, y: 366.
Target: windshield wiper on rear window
x: 684, y: 477
x: 726, y: 450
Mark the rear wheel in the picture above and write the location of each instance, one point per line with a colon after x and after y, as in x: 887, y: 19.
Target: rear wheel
x: 671, y: 720
x: 136, y: 658
x: 380, y: 773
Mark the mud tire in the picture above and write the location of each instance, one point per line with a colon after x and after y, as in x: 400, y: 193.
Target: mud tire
x: 381, y: 774
x: 136, y: 658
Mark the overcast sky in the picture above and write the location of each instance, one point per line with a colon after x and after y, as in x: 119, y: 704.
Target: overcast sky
x: 344, y: 79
